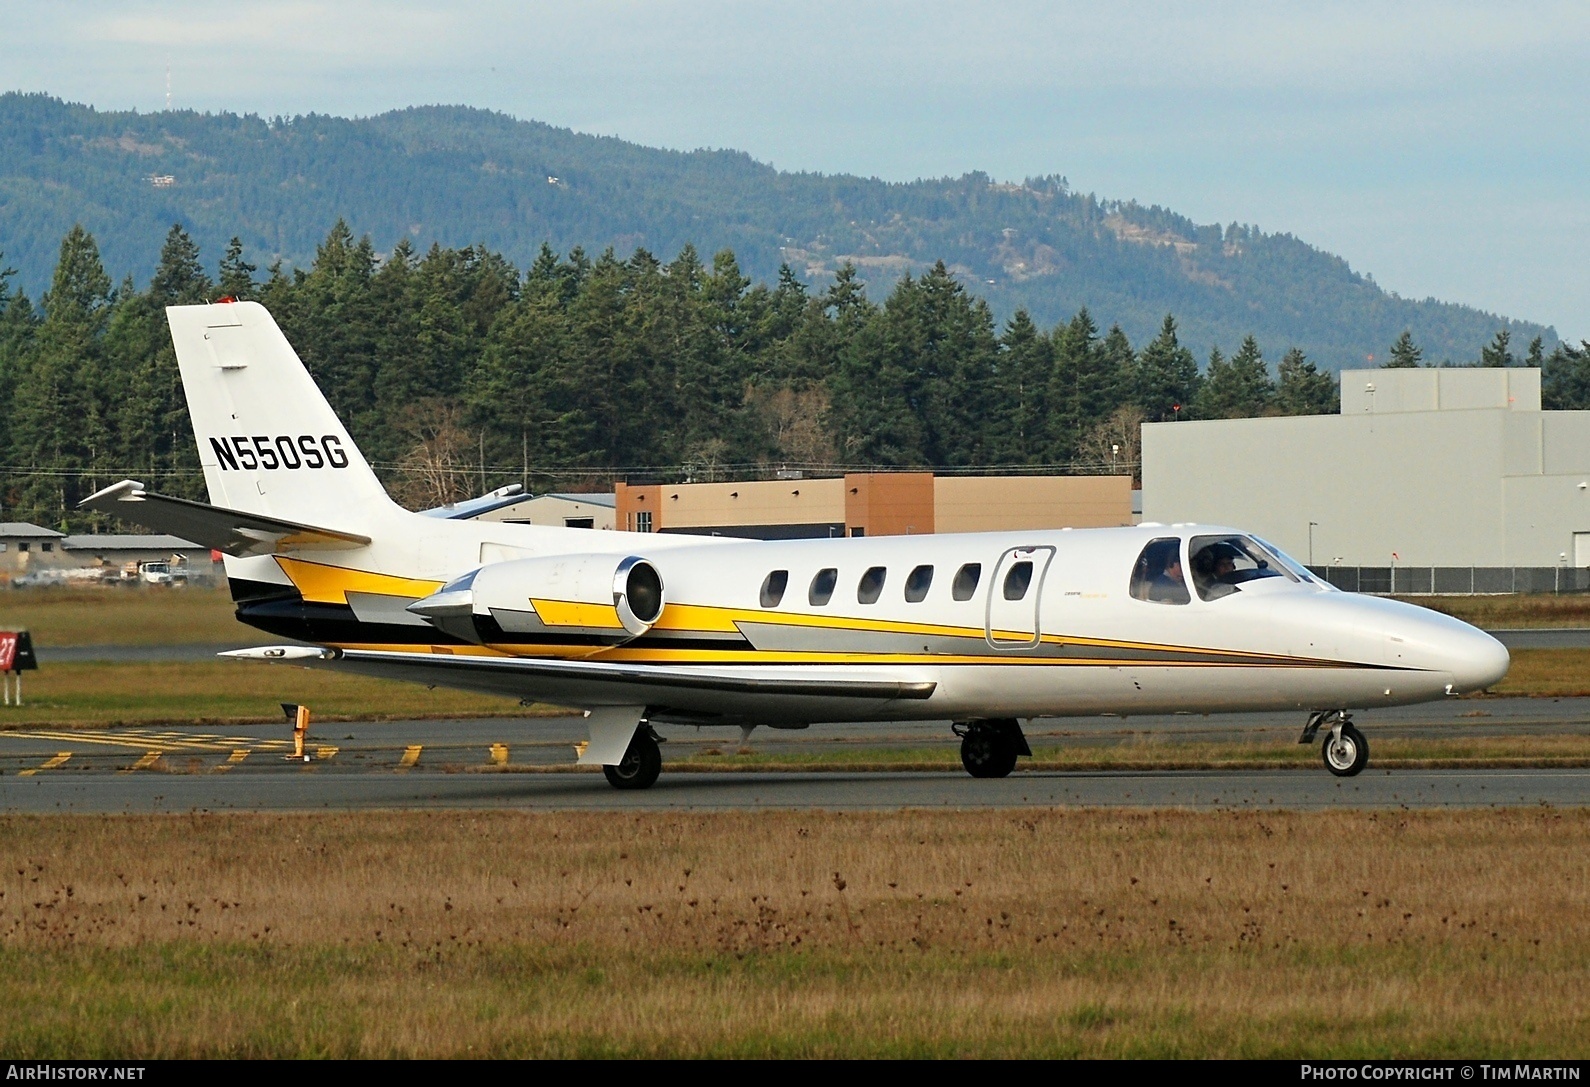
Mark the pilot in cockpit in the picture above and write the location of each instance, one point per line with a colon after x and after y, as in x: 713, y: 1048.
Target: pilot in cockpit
x: 1214, y: 569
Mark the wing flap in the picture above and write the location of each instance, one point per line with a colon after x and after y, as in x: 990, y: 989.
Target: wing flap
x: 231, y: 532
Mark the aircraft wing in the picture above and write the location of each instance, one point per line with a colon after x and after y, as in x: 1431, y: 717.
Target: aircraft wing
x: 602, y: 681
x: 228, y: 531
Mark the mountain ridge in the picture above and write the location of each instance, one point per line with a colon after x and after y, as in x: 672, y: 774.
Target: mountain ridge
x: 458, y: 175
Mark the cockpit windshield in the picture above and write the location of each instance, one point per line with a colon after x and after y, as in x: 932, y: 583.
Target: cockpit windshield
x: 1221, y: 565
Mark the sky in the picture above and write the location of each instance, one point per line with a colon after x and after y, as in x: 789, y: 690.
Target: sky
x: 1443, y: 148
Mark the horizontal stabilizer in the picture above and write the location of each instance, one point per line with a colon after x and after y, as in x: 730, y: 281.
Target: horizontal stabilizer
x: 228, y: 531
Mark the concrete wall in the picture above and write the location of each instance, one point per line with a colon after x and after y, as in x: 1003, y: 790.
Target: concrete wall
x: 1382, y: 392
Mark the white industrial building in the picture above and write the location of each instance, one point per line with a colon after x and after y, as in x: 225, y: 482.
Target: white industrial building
x: 1444, y: 480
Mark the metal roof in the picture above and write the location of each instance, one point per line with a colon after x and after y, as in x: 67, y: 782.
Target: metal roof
x: 24, y: 529
x: 594, y: 499
x: 129, y: 542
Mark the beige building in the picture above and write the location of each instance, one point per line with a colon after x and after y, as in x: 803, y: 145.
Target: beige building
x: 560, y: 510
x: 1423, y: 469
x: 25, y: 547
x: 876, y: 504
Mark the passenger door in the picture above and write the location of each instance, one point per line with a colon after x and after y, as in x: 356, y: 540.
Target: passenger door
x: 1014, y: 592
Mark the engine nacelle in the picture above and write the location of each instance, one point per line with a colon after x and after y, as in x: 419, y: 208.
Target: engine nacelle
x: 579, y: 599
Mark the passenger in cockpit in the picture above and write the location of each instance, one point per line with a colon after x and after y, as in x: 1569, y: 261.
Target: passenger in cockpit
x: 1170, y: 586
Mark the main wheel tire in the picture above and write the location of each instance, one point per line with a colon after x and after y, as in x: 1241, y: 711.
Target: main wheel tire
x: 640, y: 766
x: 987, y: 753
x: 1347, y: 755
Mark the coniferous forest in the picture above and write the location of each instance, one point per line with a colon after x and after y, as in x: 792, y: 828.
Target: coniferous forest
x: 457, y: 372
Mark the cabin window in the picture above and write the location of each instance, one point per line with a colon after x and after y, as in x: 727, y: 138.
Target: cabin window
x: 823, y: 586
x: 773, y: 588
x: 966, y: 579
x: 1222, y: 564
x: 1157, y: 576
x: 870, y: 587
x: 1018, y: 580
x: 917, y: 584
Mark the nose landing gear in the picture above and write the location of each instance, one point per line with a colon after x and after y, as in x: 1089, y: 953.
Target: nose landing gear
x: 989, y: 748
x: 1345, y: 750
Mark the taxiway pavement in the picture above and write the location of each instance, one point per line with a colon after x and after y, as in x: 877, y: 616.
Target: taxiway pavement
x: 472, y: 764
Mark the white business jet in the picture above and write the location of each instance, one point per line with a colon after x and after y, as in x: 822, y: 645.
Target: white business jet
x: 641, y: 630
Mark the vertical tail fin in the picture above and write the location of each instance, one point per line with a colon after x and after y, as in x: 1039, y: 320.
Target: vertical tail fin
x: 268, y: 440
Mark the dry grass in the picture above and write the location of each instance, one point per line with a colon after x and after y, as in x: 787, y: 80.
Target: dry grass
x: 1547, y: 672
x: 228, y: 692
x: 117, y: 615
x: 1520, y: 610
x: 909, y: 933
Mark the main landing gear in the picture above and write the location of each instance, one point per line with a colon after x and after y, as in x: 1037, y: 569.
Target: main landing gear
x: 641, y: 764
x: 989, y: 748
x: 1345, y: 750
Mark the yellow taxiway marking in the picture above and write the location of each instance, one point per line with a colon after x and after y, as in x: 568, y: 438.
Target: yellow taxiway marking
x: 50, y: 765
x: 232, y: 760
x: 148, y: 740
x: 325, y: 752
x: 144, y: 763
x: 499, y: 754
x: 411, y: 755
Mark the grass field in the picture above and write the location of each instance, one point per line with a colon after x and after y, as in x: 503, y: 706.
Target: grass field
x: 146, y: 615
x: 1031, y: 933
x: 1520, y: 610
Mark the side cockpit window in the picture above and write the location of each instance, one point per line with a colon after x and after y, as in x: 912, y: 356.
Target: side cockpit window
x: 1221, y: 565
x: 1157, y: 577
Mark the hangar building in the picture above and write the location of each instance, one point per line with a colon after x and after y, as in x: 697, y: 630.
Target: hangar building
x: 1430, y: 480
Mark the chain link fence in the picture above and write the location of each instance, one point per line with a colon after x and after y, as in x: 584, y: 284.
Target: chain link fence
x: 1455, y: 580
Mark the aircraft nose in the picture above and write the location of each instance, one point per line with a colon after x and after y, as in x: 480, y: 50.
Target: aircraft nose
x: 1477, y: 661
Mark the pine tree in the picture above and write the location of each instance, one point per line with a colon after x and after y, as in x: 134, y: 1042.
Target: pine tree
x: 1405, y: 355
x: 179, y: 279
x: 57, y: 423
x: 1026, y: 360
x: 1565, y: 378
x: 237, y: 274
x: 1239, y: 389
x: 1303, y: 390
x: 1497, y: 352
x: 1167, y: 376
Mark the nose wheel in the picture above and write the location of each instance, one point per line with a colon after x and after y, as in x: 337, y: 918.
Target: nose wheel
x: 1346, y: 751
